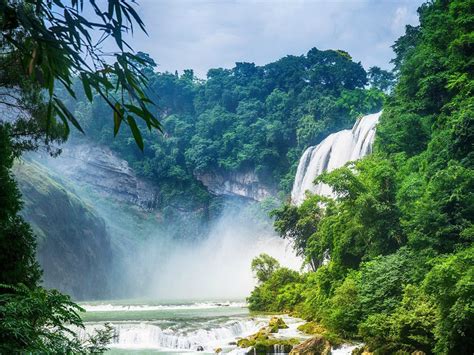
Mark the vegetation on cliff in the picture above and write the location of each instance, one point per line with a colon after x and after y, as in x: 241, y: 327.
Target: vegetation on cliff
x: 248, y: 118
x: 392, y: 252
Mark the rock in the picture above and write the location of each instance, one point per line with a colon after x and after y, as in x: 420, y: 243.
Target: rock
x: 262, y: 342
x: 74, y: 247
x: 218, y: 350
x: 100, y: 169
x: 314, y: 346
x: 276, y: 323
x: 362, y: 350
x: 199, y: 348
x: 311, y: 328
x: 244, y: 343
x: 241, y: 184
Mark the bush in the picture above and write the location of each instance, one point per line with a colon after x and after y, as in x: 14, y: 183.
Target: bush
x: 265, y: 297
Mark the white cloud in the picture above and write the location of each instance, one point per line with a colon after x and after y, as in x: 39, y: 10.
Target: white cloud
x: 206, y: 34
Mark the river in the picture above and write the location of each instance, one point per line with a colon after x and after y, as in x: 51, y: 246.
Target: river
x: 147, y: 327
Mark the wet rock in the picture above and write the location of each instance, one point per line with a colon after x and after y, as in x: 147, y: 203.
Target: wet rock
x: 276, y: 323
x: 199, y: 348
x: 263, y: 342
x: 100, y: 169
x: 314, y: 346
x: 218, y: 350
x: 74, y: 246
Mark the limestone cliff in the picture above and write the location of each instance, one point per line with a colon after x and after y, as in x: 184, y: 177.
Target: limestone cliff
x: 241, y: 184
x: 98, y: 168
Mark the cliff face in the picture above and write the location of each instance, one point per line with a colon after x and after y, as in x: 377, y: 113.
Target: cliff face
x: 74, y: 248
x: 98, y: 168
x: 241, y: 184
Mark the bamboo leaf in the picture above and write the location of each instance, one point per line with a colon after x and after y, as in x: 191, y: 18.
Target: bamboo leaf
x: 136, y: 132
x: 118, y: 116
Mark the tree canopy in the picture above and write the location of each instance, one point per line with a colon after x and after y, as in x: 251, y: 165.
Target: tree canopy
x: 397, y: 237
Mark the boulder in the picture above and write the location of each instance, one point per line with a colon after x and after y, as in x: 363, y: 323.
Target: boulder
x: 262, y: 342
x: 314, y: 346
x: 275, y: 324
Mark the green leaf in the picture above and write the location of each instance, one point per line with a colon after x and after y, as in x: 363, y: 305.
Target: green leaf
x: 87, y: 87
x: 136, y: 132
x: 118, y: 116
x: 61, y: 108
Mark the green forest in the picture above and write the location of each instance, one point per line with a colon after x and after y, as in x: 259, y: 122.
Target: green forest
x: 392, y: 257
x: 245, y: 118
x: 389, y: 261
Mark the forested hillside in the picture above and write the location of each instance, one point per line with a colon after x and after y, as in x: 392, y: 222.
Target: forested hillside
x: 392, y: 252
x: 248, y: 118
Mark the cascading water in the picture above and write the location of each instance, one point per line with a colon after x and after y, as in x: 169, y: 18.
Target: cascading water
x: 332, y: 153
x: 152, y: 336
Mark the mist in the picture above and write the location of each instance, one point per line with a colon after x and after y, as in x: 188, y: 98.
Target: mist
x: 218, y: 265
x: 185, y: 257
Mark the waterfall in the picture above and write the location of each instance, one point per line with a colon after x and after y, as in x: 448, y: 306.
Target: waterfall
x: 333, y: 152
x: 149, y: 335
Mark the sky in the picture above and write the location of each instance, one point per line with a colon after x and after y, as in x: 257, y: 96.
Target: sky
x: 199, y: 35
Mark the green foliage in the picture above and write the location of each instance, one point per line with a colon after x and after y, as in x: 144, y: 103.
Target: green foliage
x: 17, y: 243
x: 408, y: 328
x: 298, y: 224
x: 51, y: 43
x: 264, y: 297
x: 345, y: 307
x: 40, y: 320
x: 33, y: 319
x: 451, y: 285
x: 362, y: 223
x: 248, y: 118
x: 381, y: 79
x: 46, y: 44
x: 398, y: 272
x: 264, y: 266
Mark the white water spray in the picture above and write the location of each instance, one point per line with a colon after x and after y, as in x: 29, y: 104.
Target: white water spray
x: 332, y: 153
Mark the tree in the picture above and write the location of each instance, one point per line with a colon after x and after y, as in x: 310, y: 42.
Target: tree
x: 46, y: 44
x: 380, y: 79
x: 298, y: 224
x: 51, y: 43
x: 399, y: 232
x: 264, y: 266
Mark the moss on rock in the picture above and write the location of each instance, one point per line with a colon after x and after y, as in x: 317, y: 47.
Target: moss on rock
x: 275, y: 324
x: 312, y: 328
x: 263, y: 342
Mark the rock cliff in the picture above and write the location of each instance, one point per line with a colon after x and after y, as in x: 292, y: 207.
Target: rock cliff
x: 74, y: 248
x: 241, y: 184
x: 98, y: 168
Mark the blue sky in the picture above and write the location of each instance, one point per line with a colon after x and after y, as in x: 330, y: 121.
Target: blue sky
x: 201, y: 35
